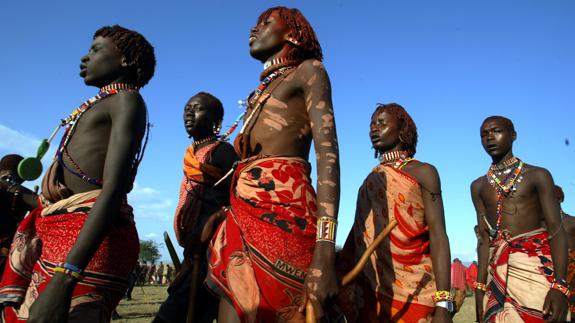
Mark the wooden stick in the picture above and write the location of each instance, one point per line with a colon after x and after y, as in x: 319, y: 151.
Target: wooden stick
x: 349, y: 277
x: 172, y: 251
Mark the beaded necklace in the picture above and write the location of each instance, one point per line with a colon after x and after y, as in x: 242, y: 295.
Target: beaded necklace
x: 259, y: 90
x: 396, y: 159
x: 272, y: 70
x: 276, y: 64
x: 503, y: 188
x: 196, y: 143
x: 72, y: 121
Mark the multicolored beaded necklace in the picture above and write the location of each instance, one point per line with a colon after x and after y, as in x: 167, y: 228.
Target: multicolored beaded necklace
x: 505, y: 187
x: 396, y: 159
x: 258, y: 92
x: 276, y: 64
x: 272, y: 70
x: 72, y: 120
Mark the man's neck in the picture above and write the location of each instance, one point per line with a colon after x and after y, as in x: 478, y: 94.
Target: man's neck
x: 499, y: 161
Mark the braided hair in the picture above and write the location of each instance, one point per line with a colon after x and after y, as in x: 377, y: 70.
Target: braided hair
x: 408, y: 130
x: 307, y: 44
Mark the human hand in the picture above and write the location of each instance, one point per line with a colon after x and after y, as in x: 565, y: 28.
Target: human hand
x: 321, y: 285
x: 53, y: 304
x: 555, y: 306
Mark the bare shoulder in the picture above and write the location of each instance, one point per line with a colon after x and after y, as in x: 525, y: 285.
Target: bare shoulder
x: 425, y: 173
x: 312, y: 68
x: 477, y: 184
x: 129, y: 102
x: 539, y: 174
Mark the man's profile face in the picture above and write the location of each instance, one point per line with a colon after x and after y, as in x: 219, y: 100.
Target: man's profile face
x: 496, y: 137
x: 384, y: 131
x: 268, y: 37
x: 198, y: 118
x: 103, y: 63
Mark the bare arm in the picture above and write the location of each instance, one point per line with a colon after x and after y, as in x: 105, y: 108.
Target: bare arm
x: 552, y: 216
x: 482, y: 242
x: 321, y: 281
x: 556, y: 305
x: 435, y: 219
x: 127, y: 115
x: 128, y: 123
x: 319, y: 106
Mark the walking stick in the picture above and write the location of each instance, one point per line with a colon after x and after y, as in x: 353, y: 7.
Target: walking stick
x: 172, y: 251
x: 349, y: 277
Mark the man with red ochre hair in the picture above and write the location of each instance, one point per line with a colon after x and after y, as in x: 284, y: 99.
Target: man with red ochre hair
x: 267, y: 259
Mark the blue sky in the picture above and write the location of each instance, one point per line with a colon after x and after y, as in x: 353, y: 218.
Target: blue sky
x: 449, y: 63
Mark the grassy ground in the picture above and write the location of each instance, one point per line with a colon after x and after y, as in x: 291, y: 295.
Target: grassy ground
x: 146, y: 301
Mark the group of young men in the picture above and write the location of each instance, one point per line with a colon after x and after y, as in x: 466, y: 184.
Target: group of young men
x: 259, y: 241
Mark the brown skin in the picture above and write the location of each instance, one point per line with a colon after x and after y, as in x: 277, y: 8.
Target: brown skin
x: 568, y: 225
x: 106, y: 140
x: 198, y: 122
x: 29, y: 198
x: 299, y: 110
x: 384, y: 134
x: 525, y: 210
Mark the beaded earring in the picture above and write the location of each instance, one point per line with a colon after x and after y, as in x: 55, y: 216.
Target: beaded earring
x: 217, y: 126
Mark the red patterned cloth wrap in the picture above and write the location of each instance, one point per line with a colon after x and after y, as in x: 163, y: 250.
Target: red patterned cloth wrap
x: 519, y: 276
x: 571, y: 280
x: 260, y: 254
x: 45, y: 237
x: 197, y: 172
x: 398, y: 283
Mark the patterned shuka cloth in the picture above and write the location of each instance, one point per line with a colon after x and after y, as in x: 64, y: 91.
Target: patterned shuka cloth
x: 197, y: 173
x: 519, y: 277
x: 397, y: 284
x: 44, y: 239
x: 260, y: 254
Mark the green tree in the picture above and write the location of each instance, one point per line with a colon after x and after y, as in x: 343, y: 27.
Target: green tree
x: 149, y: 250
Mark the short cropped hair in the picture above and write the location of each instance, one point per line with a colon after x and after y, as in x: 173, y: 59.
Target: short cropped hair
x: 506, y: 122
x: 213, y: 103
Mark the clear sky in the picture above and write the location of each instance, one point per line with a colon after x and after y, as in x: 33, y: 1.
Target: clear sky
x: 449, y: 63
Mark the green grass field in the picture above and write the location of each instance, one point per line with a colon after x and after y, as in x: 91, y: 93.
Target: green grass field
x: 146, y: 301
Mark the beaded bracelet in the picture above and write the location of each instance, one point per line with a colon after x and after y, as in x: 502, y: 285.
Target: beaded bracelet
x: 442, y: 295
x: 326, y: 228
x: 69, y: 272
x: 558, y: 285
x: 480, y: 286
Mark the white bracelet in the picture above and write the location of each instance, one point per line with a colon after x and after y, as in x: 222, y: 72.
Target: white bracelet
x: 448, y: 305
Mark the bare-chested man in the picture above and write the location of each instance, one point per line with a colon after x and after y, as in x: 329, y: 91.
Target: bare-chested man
x: 265, y: 261
x: 522, y: 265
x: 74, y: 253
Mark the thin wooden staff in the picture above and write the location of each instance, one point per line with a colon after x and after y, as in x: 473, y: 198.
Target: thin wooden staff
x: 172, y: 251
x: 349, y: 277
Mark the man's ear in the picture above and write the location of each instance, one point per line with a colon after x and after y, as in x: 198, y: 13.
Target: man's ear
x: 125, y: 62
x: 514, y: 135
